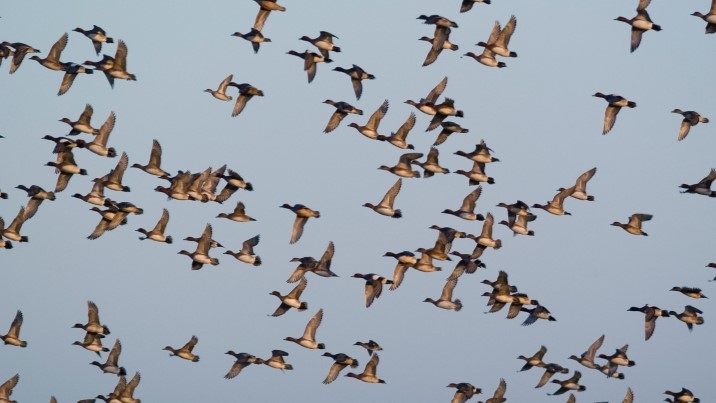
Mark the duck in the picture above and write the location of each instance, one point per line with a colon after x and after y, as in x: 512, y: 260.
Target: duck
x: 703, y: 187
x: 369, y: 373
x: 518, y: 225
x: 691, y: 118
x: 427, y: 104
x: 466, y: 264
x: 467, y: 209
x: 310, y: 62
x: 115, y: 395
x: 95, y: 196
x: 292, y: 299
x: 277, y: 361
x: 99, y: 144
x: 342, y: 110
x: 92, y: 342
x: 580, y: 186
x: 448, y: 129
x: 340, y: 361
x: 7, y: 387
x: 105, y: 66
x: 37, y: 195
x: 246, y: 92
x: 82, y: 124
x: 485, y: 238
x: 480, y: 154
x: 499, y: 45
x: 66, y: 166
x: 487, y: 58
x: 692, y: 292
x: 320, y: 267
x: 93, y: 324
x: 440, y: 41
x: 186, y: 351
x: 178, y: 189
x: 52, y: 61
x: 127, y: 394
x: 444, y: 242
x: 373, y: 286
x: 437, y: 20
x: 324, y: 43
x: 538, y: 312
x: 518, y: 301
x: 236, y: 181
x: 556, y: 205
x: 243, y: 360
x: 246, y: 254
x: 619, y: 358
x: 549, y: 370
x: 13, y: 334
x: 398, y: 138
x: 107, y: 224
x: 238, y: 215
x: 20, y: 51
x: 466, y: 5
x: 119, y: 67
x: 477, y: 174
x: 683, y: 396
x: 424, y: 263
x: 370, y: 345
x: 587, y: 357
x: 200, y: 256
x: 12, y: 231
x: 709, y: 18
x: 634, y: 225
x: 220, y: 92
x: 536, y: 360
x: 97, y: 35
x: 255, y: 37
x: 651, y: 314
x: 111, y: 366
x: 113, y: 180
x: 71, y: 72
x: 157, y: 233
x: 308, y: 339
x: 499, y: 395
x: 385, y: 207
x: 616, y: 103
x: 403, y: 167
x: 370, y: 129
x: 639, y: 24
x: 571, y: 383
x: 446, y: 300
x: 605, y: 369
x: 357, y: 75
x: 303, y: 213
x: 442, y: 111
x: 465, y: 391
x: 265, y: 8
x: 431, y: 166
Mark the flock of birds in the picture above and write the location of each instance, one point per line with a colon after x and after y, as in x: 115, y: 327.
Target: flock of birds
x: 219, y: 185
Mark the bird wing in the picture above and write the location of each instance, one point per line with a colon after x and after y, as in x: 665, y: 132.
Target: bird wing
x: 205, y: 240
x: 468, y: 203
x: 57, y: 48
x: 389, y: 197
x: 435, y: 93
x: 376, y: 117
x: 312, y: 325
x: 113, y: 356
x: 162, y: 223
x: 610, y: 116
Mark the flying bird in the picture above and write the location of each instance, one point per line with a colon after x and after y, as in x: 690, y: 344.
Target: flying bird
x: 616, y: 103
x: 691, y: 118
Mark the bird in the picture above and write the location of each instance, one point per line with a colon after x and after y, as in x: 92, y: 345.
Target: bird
x: 308, y: 339
x: 448, y: 129
x: 639, y: 24
x: 243, y: 360
x: 66, y: 166
x: 342, y: 110
x: 265, y: 8
x: 157, y: 233
x: 651, y: 313
x: 20, y: 51
x: 373, y: 286
x: 466, y: 265
x: 113, y: 180
x: 246, y: 92
x: 398, y: 138
x: 82, y: 124
x: 119, y: 67
x: 320, y: 267
x: 12, y: 231
x: 431, y: 166
x: 220, y: 92
x: 7, y: 387
x: 477, y: 174
x: 485, y: 238
x: 440, y: 41
x: 616, y: 103
x: 97, y: 35
x: 466, y: 5
x: 303, y: 213
x: 467, y: 209
x: 618, y: 358
x: 255, y: 37
x: 403, y: 168
x: 549, y: 370
x: 536, y: 360
x: 691, y: 118
x: 556, y: 205
x: 465, y: 391
x: 186, y: 351
x: 111, y: 366
x: 709, y: 18
x: 385, y: 207
x: 427, y: 104
x: 499, y: 45
x: 369, y: 373
x: 277, y: 361
x: 442, y: 111
x: 92, y: 342
x: 480, y: 154
x: 99, y: 144
x: 446, y: 300
x: 538, y: 312
x: 247, y: 254
x: 127, y: 394
x: 634, y: 225
x: 105, y: 66
x: 370, y: 129
x: 95, y: 196
x: 437, y: 20
x: 571, y: 383
x: 683, y: 396
x: 71, y: 72
x: 370, y: 345
x: 292, y: 299
x: 518, y: 225
x: 703, y: 187
x: 12, y: 337
x: 499, y: 395
x: 93, y: 324
x: 37, y: 195
x: 310, y: 62
x: 324, y: 43
x: 587, y: 357
x: 200, y: 256
x: 238, y: 214
x: 580, y: 186
x: 52, y: 60
x: 692, y: 292
x: 357, y: 75
x: 487, y: 57
x: 341, y: 361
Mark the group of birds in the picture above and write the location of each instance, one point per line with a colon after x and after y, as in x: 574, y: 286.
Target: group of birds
x: 204, y: 187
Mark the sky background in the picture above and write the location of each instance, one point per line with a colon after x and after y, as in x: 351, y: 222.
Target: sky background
x: 537, y: 115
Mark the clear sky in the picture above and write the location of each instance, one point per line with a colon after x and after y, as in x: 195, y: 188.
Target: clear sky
x: 537, y: 114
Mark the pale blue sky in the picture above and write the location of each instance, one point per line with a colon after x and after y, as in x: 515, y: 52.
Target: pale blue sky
x: 537, y: 115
